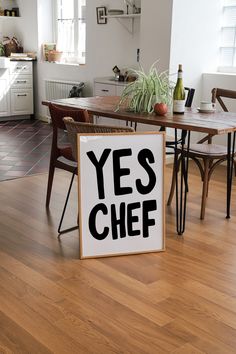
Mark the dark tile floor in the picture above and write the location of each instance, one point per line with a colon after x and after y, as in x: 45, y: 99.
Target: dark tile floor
x: 24, y: 148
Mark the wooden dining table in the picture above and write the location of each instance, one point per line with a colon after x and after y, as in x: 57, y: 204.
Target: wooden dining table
x: 217, y: 123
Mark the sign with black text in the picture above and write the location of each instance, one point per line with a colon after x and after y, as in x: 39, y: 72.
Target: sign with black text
x: 121, y: 193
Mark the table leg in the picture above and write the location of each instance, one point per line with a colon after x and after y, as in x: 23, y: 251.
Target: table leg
x: 182, y: 182
x: 230, y: 166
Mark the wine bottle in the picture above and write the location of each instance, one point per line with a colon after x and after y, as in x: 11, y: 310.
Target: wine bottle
x: 179, y: 94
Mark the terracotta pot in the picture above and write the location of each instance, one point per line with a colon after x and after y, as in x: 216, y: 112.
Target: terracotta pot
x: 54, y: 55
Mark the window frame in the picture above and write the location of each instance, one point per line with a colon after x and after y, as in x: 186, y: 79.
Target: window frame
x: 228, y: 68
x: 80, y: 59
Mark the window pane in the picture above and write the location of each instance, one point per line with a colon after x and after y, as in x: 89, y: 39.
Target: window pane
x: 226, y: 56
x: 229, y: 2
x: 71, y: 29
x: 82, y: 31
x: 65, y: 9
x: 227, y: 37
x: 66, y: 36
x: 229, y: 16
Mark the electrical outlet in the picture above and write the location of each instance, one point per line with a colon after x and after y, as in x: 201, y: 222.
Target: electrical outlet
x: 138, y: 55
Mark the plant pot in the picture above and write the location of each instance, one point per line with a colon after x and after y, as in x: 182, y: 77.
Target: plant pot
x: 54, y: 56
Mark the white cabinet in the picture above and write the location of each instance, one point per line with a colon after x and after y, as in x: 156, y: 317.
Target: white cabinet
x: 22, y: 81
x: 108, y: 87
x: 4, y: 93
x: 16, y: 90
x: 21, y: 67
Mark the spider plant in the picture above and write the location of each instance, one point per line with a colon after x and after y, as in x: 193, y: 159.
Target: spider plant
x: 146, y: 90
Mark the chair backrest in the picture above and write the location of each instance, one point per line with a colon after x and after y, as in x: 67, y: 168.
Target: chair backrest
x: 73, y: 128
x: 189, y: 99
x: 218, y: 93
x: 58, y: 113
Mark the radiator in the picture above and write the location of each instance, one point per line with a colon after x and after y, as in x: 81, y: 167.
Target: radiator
x: 56, y: 89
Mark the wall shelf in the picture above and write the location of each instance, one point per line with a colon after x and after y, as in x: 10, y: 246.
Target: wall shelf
x: 4, y: 17
x: 120, y: 18
x: 123, y: 16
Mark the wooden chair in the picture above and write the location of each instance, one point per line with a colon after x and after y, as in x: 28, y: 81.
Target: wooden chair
x: 73, y: 128
x: 57, y: 152
x: 205, y: 154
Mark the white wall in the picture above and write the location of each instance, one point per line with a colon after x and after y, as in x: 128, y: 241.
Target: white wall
x: 194, y: 40
x: 156, y: 33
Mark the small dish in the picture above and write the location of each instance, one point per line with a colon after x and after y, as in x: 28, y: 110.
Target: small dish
x: 206, y: 110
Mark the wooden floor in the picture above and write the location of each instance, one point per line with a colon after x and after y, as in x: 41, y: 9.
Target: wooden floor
x: 180, y: 301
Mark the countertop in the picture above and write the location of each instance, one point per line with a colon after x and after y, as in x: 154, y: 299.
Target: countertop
x: 110, y: 80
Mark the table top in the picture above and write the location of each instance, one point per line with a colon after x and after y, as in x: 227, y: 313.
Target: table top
x: 211, y: 123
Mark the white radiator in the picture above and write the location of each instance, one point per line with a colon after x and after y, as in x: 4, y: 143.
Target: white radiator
x: 56, y: 89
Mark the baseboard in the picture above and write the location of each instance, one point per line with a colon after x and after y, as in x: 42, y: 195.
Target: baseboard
x: 45, y: 119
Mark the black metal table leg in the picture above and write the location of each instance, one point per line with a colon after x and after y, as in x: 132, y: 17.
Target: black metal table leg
x: 182, y: 183
x: 230, y: 166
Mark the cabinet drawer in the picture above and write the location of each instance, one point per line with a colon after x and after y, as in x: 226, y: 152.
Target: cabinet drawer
x: 21, y: 67
x: 104, y: 90
x: 21, y: 81
x: 21, y: 102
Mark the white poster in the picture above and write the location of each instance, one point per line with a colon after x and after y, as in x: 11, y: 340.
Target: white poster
x: 121, y: 193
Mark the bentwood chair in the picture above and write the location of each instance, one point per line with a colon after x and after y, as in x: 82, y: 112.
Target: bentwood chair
x: 73, y: 128
x: 61, y: 154
x: 206, y: 155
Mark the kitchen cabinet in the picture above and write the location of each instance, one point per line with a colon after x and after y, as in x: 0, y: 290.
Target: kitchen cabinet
x: 107, y: 86
x: 4, y: 93
x: 16, y: 90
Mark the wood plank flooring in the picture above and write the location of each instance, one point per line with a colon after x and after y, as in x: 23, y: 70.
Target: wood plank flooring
x: 182, y: 301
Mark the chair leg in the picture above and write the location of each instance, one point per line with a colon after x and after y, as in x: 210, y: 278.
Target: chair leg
x: 60, y: 232
x: 173, y: 182
x: 50, y: 181
x: 205, y: 188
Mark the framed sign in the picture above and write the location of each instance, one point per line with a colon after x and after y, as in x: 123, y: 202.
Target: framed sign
x: 121, y: 193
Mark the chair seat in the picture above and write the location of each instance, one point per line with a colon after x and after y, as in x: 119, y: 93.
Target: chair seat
x: 208, y: 149
x: 66, y: 152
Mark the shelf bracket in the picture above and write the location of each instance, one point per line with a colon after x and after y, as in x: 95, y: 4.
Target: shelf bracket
x: 129, y: 26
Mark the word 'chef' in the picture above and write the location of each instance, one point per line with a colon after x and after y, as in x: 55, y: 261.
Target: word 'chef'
x: 123, y: 217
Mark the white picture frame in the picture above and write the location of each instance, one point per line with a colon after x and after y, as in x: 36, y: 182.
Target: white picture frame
x: 121, y: 193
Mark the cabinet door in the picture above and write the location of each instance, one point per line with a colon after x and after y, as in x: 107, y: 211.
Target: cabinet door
x: 21, y: 102
x: 4, y: 98
x: 105, y: 90
x: 119, y: 89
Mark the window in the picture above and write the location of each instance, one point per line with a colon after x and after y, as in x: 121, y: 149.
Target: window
x: 228, y: 37
x: 70, y: 29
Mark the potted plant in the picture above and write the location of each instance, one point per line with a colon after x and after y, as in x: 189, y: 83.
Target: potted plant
x: 149, y: 92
